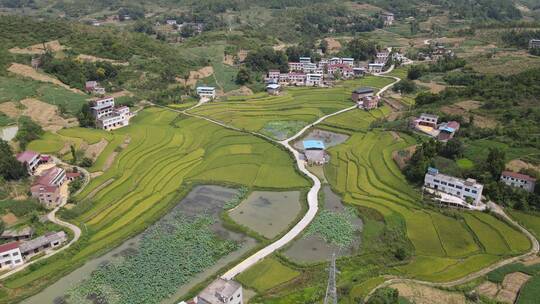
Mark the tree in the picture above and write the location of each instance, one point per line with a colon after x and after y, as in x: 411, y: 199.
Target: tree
x: 28, y: 131
x: 10, y: 167
x: 415, y: 72
x: 384, y: 295
x: 85, y: 117
x: 73, y: 153
x: 495, y: 162
x: 361, y: 49
x: 453, y: 149
x: 323, y: 46
x: 405, y: 86
x: 243, y: 76
x: 86, y: 162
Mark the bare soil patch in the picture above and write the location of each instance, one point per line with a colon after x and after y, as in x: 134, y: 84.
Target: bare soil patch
x: 10, y: 109
x: 28, y: 71
x: 488, y: 289
x: 228, y: 59
x: 121, y: 94
x: 9, y: 219
x: 91, y: 58
x: 36, y: 49
x: 402, y: 157
x: 511, y: 285
x: 433, y: 86
x: 93, y: 151
x: 196, y: 75
x: 46, y: 115
x: 333, y: 44
x: 242, y: 91
x: 421, y: 294
x: 465, y: 107
x: 96, y: 174
x: 517, y: 164
x: 469, y: 104
x: 531, y: 261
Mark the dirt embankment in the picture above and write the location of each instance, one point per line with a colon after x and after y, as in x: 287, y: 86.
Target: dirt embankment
x: 91, y: 58
x: 39, y: 48
x: 242, y: 91
x: 196, y: 75
x: 46, y: 115
x: 517, y: 164
x: 28, y: 71
x: 402, y: 157
x: 506, y: 292
x: 421, y: 294
x: 333, y: 45
x: 465, y: 108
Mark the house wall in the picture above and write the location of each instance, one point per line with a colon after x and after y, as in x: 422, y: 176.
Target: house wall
x: 454, y: 186
x: 10, y: 259
x: 518, y: 183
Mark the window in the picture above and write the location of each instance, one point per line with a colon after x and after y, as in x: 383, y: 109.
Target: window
x: 450, y: 185
x: 459, y: 187
x: 444, y: 183
x: 474, y: 191
x: 8, y: 262
x: 17, y: 261
x: 436, y: 180
x: 15, y: 254
x: 467, y: 190
x: 5, y: 256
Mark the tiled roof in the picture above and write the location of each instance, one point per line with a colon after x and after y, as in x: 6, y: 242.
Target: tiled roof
x: 26, y: 156
x: 518, y: 176
x: 9, y: 246
x: 46, y: 178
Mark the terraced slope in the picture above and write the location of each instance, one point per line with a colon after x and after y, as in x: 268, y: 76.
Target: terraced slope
x: 166, y: 154
x: 445, y: 248
x: 303, y: 105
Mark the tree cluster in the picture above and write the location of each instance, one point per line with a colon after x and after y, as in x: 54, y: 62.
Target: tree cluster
x: 10, y: 167
x: 28, y: 131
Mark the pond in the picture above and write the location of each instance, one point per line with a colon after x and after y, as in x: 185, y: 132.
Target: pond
x: 202, y: 200
x: 268, y: 213
x: 312, y: 248
x: 8, y: 133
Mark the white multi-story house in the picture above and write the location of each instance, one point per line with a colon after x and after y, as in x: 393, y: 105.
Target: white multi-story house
x: 388, y: 18
x: 518, y: 180
x: 296, y: 66
x: 382, y: 57
x: 109, y: 117
x: 462, y: 189
x: 534, y: 43
x: 310, y: 67
x: 221, y: 292
x: 334, y: 60
x: 430, y: 120
x: 273, y: 76
x: 314, y: 80
x: 375, y: 67
x: 103, y: 107
x: 208, y: 92
x: 305, y: 60
x: 10, y: 256
x: 348, y: 61
x: 297, y: 78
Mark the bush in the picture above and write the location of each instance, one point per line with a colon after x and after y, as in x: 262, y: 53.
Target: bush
x: 28, y: 131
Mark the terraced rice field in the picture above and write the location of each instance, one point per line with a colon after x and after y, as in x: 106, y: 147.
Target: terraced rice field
x: 445, y: 247
x: 166, y: 154
x: 303, y: 105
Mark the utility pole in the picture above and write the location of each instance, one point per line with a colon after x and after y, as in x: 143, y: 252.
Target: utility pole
x: 331, y: 292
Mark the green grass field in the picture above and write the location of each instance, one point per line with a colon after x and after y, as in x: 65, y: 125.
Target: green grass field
x: 166, y: 154
x: 15, y: 89
x: 530, y: 220
x: 446, y: 248
x: 267, y: 274
x: 255, y: 113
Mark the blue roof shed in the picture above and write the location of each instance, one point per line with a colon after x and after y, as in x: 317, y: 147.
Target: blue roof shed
x: 313, y: 145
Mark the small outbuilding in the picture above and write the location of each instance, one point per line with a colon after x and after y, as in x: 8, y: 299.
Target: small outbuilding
x: 273, y: 89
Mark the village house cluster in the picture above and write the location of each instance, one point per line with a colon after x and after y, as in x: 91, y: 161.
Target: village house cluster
x: 16, y: 253
x: 428, y: 124
x: 305, y: 72
x: 365, y: 98
x: 48, y: 178
x: 435, y: 52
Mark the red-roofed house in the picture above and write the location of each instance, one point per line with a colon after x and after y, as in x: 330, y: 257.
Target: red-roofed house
x: 47, y: 186
x: 10, y: 256
x: 71, y: 176
x: 518, y: 180
x: 31, y: 159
